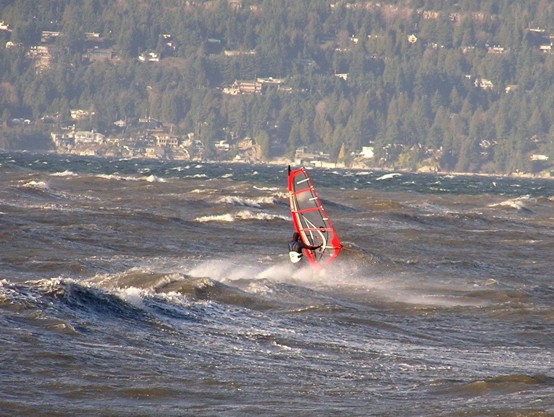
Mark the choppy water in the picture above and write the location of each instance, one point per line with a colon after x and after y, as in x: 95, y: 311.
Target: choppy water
x: 140, y: 288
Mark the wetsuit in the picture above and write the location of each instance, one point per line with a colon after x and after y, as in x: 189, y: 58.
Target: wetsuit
x: 297, y: 246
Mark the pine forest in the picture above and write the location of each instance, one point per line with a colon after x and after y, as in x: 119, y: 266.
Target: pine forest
x: 460, y: 86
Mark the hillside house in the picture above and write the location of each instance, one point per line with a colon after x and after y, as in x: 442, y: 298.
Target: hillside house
x: 62, y: 142
x: 232, y: 53
x: 484, y: 84
x: 149, y: 56
x: 165, y: 140
x: 80, y: 114
x: 222, y: 146
x: 496, y: 50
x: 41, y: 55
x: 367, y: 152
x: 92, y: 36
x: 49, y: 36
x: 244, y: 87
x: 99, y: 55
x: 5, y: 27
x: 88, y: 137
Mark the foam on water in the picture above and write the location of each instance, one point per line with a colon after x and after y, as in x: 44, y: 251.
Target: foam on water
x: 37, y: 185
x: 241, y: 215
x: 389, y: 176
x: 351, y: 279
x: 154, y: 178
x: 118, y: 177
x: 227, y: 217
x: 66, y: 173
x: 249, y: 202
x: 142, y: 295
x: 520, y: 203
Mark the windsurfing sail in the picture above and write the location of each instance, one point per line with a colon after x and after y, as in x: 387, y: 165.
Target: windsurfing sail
x: 310, y: 219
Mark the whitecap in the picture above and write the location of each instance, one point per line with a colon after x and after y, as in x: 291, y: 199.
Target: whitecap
x: 38, y: 185
x: 180, y: 168
x: 247, y: 202
x: 248, y: 215
x: 519, y: 203
x: 116, y: 177
x: 228, y: 217
x: 202, y: 191
x: 65, y: 173
x: 266, y: 188
x: 241, y: 215
x: 154, y: 178
x: 133, y: 296
x: 389, y: 176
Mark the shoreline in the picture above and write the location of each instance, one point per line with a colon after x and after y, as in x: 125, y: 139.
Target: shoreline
x: 421, y: 171
x: 285, y: 162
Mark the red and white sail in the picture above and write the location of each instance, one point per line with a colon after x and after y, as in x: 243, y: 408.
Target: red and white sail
x: 311, y: 220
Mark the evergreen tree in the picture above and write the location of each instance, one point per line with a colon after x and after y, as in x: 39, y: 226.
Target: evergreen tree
x: 405, y: 96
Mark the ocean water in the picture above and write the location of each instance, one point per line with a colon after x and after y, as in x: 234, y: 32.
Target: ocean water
x: 144, y: 288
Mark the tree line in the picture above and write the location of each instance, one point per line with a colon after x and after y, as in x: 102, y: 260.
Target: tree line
x: 466, y: 86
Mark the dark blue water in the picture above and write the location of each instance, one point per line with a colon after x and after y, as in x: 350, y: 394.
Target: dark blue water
x: 138, y: 288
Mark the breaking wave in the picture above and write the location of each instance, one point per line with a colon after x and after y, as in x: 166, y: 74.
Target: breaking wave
x: 117, y: 177
x: 248, y: 202
x: 241, y: 215
x: 520, y: 203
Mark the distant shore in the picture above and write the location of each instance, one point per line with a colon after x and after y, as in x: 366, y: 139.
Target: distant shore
x: 526, y: 175
x: 285, y: 162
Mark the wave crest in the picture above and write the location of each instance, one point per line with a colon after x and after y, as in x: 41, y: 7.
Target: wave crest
x: 248, y: 202
x: 241, y: 215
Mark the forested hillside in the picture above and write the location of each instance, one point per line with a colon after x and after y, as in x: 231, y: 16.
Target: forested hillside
x: 464, y: 86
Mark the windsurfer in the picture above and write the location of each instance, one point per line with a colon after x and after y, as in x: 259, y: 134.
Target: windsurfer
x: 296, y: 246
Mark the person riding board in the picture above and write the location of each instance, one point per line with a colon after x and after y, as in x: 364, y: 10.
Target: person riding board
x: 296, y: 246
